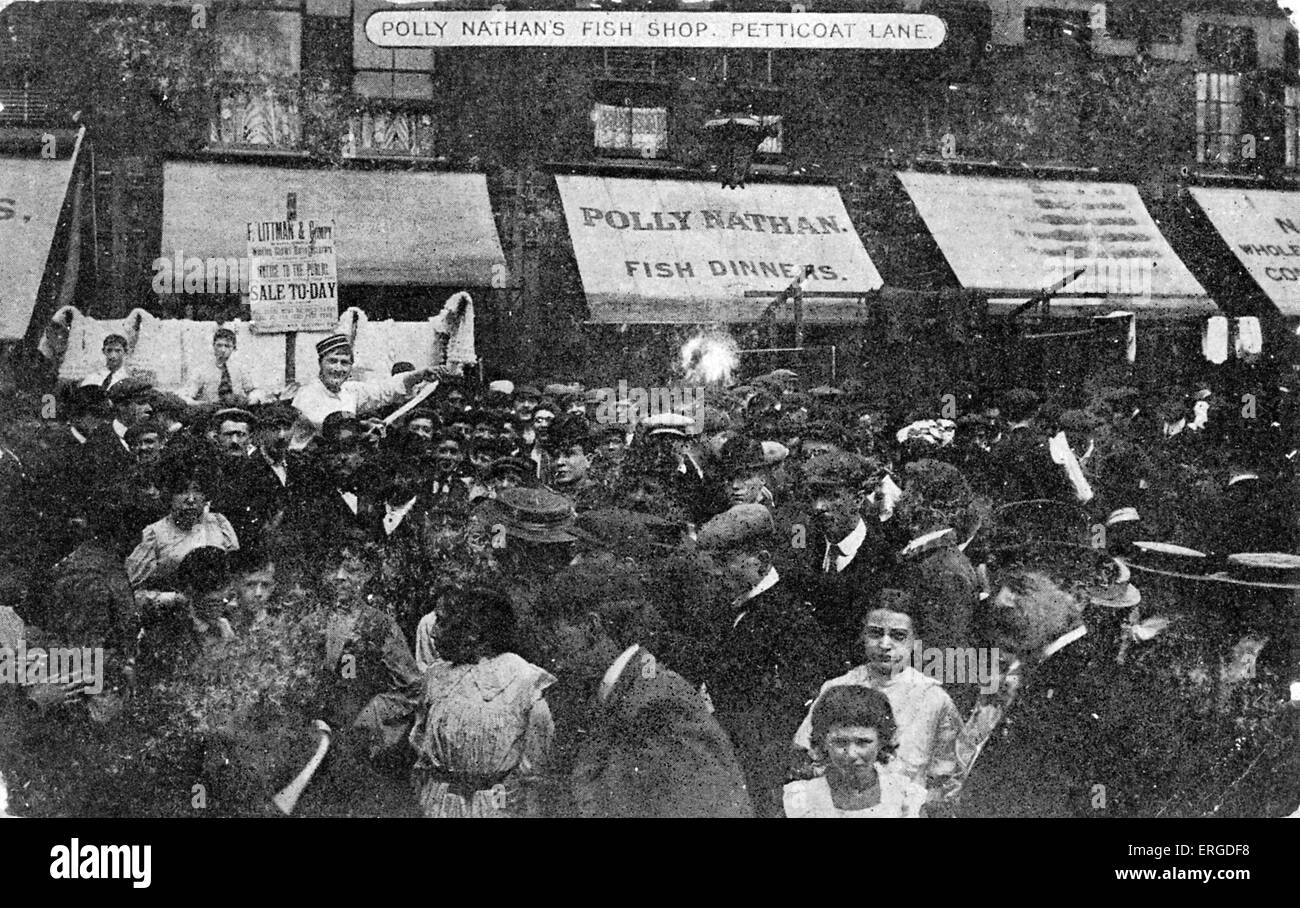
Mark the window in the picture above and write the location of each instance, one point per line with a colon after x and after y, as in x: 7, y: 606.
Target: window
x: 773, y: 144
x: 1145, y: 22
x: 1227, y: 48
x: 256, y: 95
x: 630, y: 64
x: 1219, y: 99
x: 623, y: 129
x: 383, y: 129
x: 1044, y: 25
x: 749, y: 67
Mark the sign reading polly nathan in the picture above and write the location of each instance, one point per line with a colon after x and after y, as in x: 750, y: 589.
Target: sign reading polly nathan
x: 293, y: 276
x: 683, y: 251
x: 794, y: 31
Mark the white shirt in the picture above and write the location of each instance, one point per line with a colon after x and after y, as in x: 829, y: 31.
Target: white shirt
x: 97, y: 378
x: 201, y: 388
x: 770, y: 579
x: 927, y: 720
x: 315, y: 402
x: 393, y: 516
x: 848, y: 546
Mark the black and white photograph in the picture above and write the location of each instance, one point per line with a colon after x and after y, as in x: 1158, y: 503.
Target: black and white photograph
x: 651, y: 409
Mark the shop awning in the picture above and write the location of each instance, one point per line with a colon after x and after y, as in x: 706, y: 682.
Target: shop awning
x: 1262, y: 227
x: 390, y: 228
x: 675, y: 251
x: 1011, y: 238
x: 32, y: 194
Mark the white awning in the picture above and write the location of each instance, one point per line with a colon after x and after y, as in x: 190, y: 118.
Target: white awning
x: 390, y: 228
x: 32, y: 193
x: 1262, y: 226
x: 1012, y: 238
x: 675, y: 251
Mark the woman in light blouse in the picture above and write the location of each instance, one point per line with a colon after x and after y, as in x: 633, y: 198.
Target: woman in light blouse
x: 189, y: 525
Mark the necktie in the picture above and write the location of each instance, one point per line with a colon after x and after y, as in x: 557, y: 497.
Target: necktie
x: 225, y: 388
x: 108, y: 380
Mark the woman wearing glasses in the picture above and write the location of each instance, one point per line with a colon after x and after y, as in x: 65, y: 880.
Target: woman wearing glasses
x: 927, y: 721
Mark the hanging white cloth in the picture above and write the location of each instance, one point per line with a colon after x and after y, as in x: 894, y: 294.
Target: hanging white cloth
x: 1214, y: 343
x: 1249, y: 341
x: 1064, y: 456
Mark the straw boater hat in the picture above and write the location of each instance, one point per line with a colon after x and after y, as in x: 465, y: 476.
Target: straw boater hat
x: 532, y: 514
x: 333, y: 344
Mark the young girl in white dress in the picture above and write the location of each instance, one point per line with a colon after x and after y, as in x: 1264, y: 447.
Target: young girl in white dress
x: 853, y: 734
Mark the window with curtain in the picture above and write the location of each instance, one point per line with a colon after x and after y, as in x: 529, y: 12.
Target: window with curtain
x: 257, y: 93
x: 629, y: 130
x: 1219, y: 98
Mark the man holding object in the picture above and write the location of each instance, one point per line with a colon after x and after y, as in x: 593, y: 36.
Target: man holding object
x: 334, y: 391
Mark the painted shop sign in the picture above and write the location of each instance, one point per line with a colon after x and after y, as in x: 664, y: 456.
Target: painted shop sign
x: 1262, y: 227
x: 684, y: 251
x: 789, y: 31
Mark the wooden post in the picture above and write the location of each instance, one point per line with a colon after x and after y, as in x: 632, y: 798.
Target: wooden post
x: 291, y: 337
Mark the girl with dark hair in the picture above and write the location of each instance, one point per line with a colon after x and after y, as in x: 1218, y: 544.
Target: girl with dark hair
x: 483, y: 726
x: 853, y: 732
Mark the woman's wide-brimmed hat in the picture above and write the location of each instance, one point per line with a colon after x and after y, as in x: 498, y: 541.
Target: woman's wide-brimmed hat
x: 532, y: 514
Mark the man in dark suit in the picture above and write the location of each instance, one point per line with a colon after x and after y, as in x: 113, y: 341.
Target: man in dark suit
x: 106, y: 456
x: 1020, y: 464
x: 1083, y: 736
x: 769, y: 654
x: 839, y: 549
x: 646, y: 744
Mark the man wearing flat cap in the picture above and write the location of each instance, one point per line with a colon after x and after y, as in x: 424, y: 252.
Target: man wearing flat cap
x: 333, y: 391
x: 107, y: 456
x: 769, y: 656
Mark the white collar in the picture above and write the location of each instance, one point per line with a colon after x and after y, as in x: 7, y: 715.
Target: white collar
x: 393, y: 516
x: 850, y: 544
x: 1063, y: 641
x: 1242, y: 477
x: 119, y: 428
x: 769, y: 580
x: 81, y: 439
x: 615, y: 671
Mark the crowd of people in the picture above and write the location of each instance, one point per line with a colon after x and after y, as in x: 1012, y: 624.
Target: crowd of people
x: 519, y: 600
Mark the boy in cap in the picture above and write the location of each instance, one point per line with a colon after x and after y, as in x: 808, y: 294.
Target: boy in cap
x: 333, y: 391
x: 769, y: 654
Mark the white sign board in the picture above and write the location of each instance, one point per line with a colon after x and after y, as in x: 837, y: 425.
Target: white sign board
x: 686, y: 251
x: 293, y: 280
x: 790, y: 31
x: 1263, y: 229
x: 1020, y: 236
